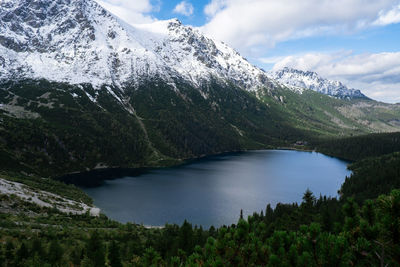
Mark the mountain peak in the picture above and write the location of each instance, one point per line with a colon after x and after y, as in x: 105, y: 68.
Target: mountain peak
x: 300, y: 80
x: 78, y: 41
x: 175, y: 21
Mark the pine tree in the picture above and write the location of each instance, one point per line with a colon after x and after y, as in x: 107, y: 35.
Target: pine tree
x: 269, y: 212
x: 151, y: 258
x: 212, y: 232
x: 37, y: 247
x: 114, y: 255
x: 76, y: 255
x: 22, y: 252
x: 95, y: 250
x: 9, y: 253
x: 186, y: 237
x: 307, y: 206
x: 326, y: 220
x: 55, y: 252
x: 308, y: 199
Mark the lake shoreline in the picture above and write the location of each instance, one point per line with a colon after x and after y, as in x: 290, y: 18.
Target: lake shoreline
x: 221, y: 185
x: 97, y: 176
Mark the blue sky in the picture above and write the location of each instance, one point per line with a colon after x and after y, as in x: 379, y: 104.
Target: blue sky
x: 354, y: 41
x: 166, y: 11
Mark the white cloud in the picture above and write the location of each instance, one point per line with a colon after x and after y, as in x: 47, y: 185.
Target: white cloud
x: 214, y: 7
x: 377, y: 75
x: 256, y: 25
x: 133, y: 12
x: 184, y: 8
x: 390, y: 17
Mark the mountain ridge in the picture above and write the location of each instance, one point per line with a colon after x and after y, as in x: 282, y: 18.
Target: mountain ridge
x: 77, y: 41
x: 299, y: 80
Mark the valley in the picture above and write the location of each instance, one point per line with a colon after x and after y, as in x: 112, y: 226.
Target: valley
x: 86, y: 97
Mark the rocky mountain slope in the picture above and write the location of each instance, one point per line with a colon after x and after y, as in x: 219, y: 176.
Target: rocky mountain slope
x: 299, y: 80
x: 77, y: 41
x: 40, y: 198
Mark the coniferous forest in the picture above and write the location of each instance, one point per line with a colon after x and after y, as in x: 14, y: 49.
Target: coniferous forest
x: 361, y: 228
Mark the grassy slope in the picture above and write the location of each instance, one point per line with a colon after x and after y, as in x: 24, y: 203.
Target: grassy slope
x: 324, y: 116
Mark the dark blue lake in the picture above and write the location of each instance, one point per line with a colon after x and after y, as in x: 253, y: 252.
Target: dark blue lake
x: 212, y: 191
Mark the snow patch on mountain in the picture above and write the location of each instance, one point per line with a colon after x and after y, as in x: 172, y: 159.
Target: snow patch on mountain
x: 78, y: 41
x: 299, y: 81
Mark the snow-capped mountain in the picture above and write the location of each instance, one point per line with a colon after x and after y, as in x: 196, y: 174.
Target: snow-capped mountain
x: 299, y: 80
x: 78, y: 41
x: 81, y: 90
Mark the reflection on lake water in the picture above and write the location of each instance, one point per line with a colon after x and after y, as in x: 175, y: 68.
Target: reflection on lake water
x: 212, y: 191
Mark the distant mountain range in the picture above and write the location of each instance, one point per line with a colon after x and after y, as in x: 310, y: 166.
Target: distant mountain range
x: 80, y: 89
x: 300, y: 80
